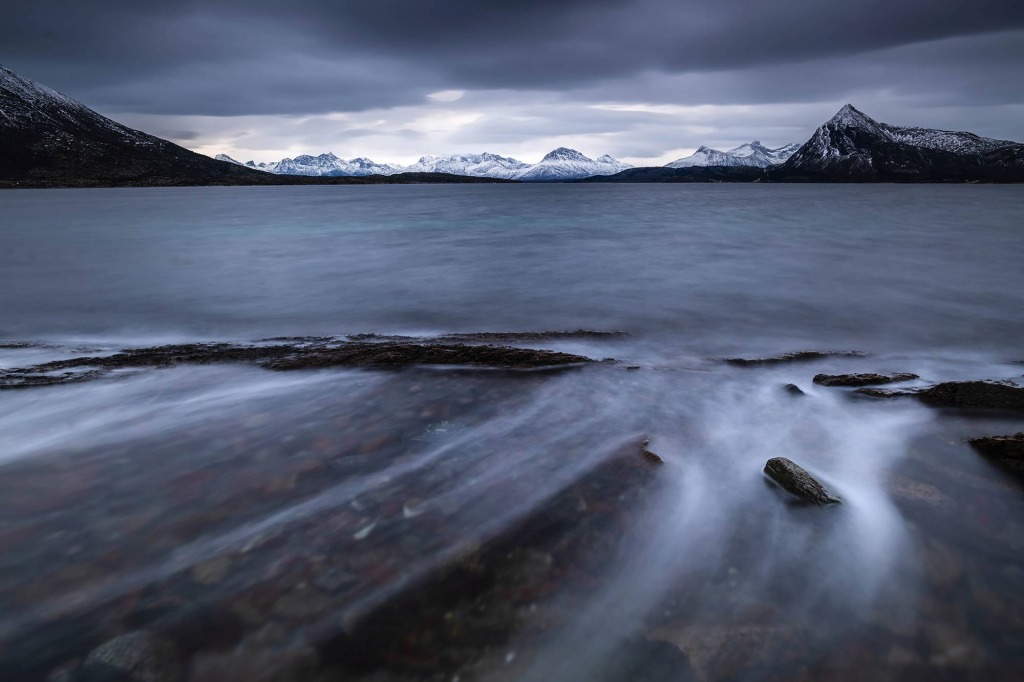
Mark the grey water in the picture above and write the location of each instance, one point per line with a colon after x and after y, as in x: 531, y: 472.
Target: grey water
x: 135, y: 500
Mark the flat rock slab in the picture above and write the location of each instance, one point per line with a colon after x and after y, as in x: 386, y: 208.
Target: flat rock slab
x: 996, y: 395
x: 802, y: 356
x: 795, y: 480
x: 867, y: 379
x: 308, y: 354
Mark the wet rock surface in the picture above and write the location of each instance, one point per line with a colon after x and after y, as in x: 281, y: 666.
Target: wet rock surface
x: 868, y: 379
x: 793, y: 389
x: 984, y: 394
x: 993, y: 395
x: 1006, y: 450
x: 795, y: 480
x: 801, y: 356
x: 307, y: 353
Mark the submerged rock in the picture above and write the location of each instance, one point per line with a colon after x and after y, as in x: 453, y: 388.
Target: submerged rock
x: 648, y: 455
x: 139, y: 656
x: 869, y: 379
x: 793, y: 389
x: 802, y: 356
x: 1005, y: 450
x: 794, y: 479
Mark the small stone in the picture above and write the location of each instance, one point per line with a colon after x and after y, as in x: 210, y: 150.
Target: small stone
x: 302, y: 603
x: 794, y: 479
x: 793, y: 389
x: 211, y: 572
x: 333, y: 579
x: 139, y: 656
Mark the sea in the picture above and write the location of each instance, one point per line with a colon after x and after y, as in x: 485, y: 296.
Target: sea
x: 464, y: 523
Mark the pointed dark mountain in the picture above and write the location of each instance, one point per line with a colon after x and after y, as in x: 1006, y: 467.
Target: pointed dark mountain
x: 47, y: 139
x: 853, y: 147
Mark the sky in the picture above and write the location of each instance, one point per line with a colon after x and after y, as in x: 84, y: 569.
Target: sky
x: 647, y: 81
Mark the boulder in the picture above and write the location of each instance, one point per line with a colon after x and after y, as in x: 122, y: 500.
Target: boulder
x: 986, y: 394
x: 1006, y: 450
x: 997, y: 395
x: 795, y: 480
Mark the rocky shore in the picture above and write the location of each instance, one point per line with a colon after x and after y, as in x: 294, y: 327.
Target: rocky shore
x: 307, y: 600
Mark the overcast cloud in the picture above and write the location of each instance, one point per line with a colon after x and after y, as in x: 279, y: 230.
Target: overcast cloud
x: 644, y: 80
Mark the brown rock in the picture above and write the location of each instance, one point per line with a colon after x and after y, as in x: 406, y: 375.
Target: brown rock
x: 794, y: 479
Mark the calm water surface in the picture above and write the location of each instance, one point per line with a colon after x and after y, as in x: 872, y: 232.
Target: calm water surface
x: 260, y: 518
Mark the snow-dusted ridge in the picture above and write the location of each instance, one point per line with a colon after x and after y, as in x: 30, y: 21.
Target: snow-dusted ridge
x: 560, y: 164
x: 752, y: 154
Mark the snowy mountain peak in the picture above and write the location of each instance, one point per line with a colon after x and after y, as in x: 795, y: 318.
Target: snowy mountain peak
x: 30, y: 91
x: 225, y: 157
x: 565, y: 154
x: 849, y: 116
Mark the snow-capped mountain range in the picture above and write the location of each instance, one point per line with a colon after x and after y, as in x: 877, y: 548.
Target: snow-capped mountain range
x: 484, y: 165
x: 749, y: 154
x: 324, y: 165
x: 560, y: 164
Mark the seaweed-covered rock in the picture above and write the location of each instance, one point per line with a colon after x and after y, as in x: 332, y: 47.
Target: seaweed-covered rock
x: 869, y: 379
x: 139, y: 656
x: 794, y: 479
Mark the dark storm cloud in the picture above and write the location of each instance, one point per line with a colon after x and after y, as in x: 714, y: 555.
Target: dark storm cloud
x: 260, y: 57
